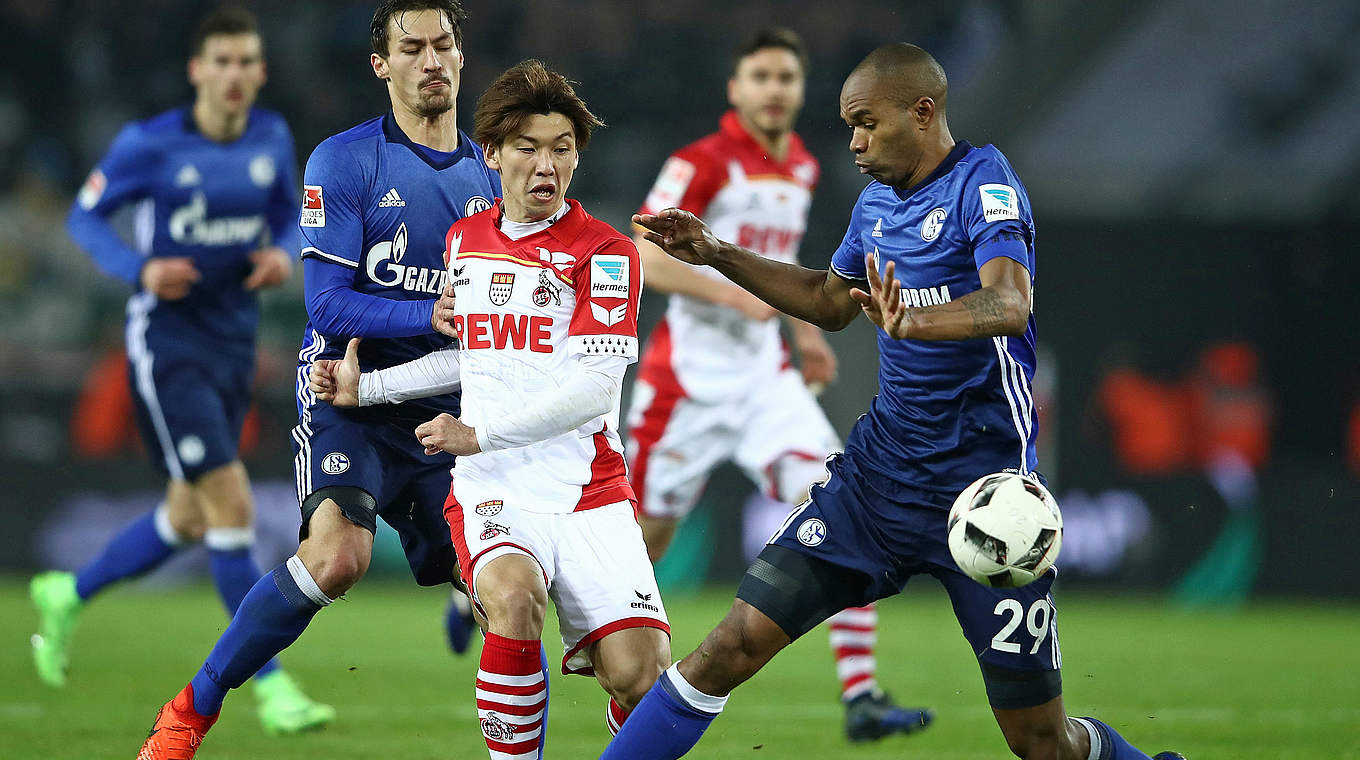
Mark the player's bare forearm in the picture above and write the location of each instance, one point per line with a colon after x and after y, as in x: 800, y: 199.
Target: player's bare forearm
x: 812, y: 295
x: 987, y: 313
x: 667, y: 275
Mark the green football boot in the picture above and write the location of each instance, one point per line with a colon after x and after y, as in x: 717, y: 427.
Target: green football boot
x: 54, y: 596
x: 284, y: 709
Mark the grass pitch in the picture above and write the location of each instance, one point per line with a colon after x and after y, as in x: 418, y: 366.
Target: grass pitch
x: 1275, y: 680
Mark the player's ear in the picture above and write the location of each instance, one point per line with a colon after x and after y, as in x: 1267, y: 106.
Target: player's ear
x: 731, y: 91
x: 492, y: 157
x: 379, y: 65
x: 195, y: 64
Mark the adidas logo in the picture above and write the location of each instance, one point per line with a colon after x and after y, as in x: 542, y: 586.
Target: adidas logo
x: 391, y: 199
x: 878, y: 229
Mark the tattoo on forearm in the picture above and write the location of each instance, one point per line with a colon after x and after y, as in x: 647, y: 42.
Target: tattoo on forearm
x: 987, y: 311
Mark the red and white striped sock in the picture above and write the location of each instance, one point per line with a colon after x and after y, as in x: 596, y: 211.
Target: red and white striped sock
x: 511, y: 697
x: 615, y: 716
x: 854, y: 631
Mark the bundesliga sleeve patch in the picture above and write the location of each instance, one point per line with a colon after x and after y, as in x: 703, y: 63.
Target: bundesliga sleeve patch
x: 609, y: 276
x: 998, y: 202
x: 670, y: 187
x: 92, y: 190
x: 313, y: 207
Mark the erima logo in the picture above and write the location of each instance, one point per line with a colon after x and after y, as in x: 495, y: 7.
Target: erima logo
x: 643, y: 602
x: 190, y: 225
x: 998, y: 202
x: 609, y: 317
x: 391, y: 199
x: 878, y: 229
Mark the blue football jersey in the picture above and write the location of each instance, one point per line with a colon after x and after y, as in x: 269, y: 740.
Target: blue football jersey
x: 213, y: 202
x: 947, y: 412
x: 379, y: 204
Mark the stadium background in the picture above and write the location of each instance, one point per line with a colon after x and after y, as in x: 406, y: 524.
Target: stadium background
x: 1192, y: 175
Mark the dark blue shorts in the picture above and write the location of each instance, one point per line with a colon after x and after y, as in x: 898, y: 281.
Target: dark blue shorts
x: 380, y: 456
x: 886, y: 543
x: 190, y: 411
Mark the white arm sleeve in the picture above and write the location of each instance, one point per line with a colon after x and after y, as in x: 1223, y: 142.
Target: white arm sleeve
x: 588, y: 392
x: 433, y: 374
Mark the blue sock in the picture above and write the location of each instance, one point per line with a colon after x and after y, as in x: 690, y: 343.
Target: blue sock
x: 1107, y: 744
x: 271, y: 617
x: 547, y: 691
x: 667, y: 723
x: 234, y: 571
x: 138, y: 547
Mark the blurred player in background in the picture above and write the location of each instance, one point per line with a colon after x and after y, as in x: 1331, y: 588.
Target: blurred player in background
x: 540, y: 506
x: 956, y: 343
x: 377, y: 201
x: 214, y: 192
x: 715, y: 383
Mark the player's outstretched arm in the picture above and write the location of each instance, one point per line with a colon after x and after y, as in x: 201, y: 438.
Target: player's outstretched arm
x: 819, y: 297
x: 667, y: 275
x: 1000, y: 307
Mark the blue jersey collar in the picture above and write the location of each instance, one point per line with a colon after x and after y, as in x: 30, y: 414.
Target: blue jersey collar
x: 394, y: 134
x: 960, y: 150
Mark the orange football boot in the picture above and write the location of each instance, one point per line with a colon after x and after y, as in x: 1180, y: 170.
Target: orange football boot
x: 178, y: 730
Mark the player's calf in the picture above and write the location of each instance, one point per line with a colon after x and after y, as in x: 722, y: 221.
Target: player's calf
x: 628, y: 662
x: 734, y: 651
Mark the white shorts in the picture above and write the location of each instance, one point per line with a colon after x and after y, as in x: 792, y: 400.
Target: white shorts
x: 777, y: 434
x: 594, y: 564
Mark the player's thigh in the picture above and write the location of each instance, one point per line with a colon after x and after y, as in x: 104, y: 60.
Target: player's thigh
x: 336, y: 551
x: 416, y: 512
x: 339, y: 459
x: 512, y: 593
x: 603, y: 582
x: 485, y: 531
x: 628, y: 662
x: 183, y: 415
x: 1014, y: 633
x: 785, y: 439
x: 673, y: 448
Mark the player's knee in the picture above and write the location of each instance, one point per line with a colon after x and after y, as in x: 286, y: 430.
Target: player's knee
x: 336, y: 571
x: 629, y: 684
x: 517, y: 609
x: 1035, y: 740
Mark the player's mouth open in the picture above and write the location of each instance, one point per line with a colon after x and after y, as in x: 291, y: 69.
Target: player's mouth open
x: 543, y: 192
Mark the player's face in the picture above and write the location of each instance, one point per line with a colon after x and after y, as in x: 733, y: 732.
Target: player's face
x: 767, y: 90
x: 229, y: 72
x: 885, y: 139
x: 423, y: 63
x: 536, y: 167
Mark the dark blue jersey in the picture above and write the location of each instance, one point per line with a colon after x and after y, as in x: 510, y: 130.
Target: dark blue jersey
x: 375, y: 210
x: 949, y: 411
x: 214, y: 202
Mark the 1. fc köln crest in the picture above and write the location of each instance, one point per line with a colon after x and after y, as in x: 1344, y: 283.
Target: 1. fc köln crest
x: 502, y: 284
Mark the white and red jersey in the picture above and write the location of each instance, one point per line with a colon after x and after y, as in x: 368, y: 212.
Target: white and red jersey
x: 524, y: 309
x: 749, y: 198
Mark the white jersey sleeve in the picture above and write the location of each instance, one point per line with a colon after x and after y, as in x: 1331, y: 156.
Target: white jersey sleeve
x: 589, y: 391
x: 433, y: 374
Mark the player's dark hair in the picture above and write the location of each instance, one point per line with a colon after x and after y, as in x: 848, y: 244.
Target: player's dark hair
x: 227, y: 19
x: 525, y: 89
x: 772, y: 37
x: 452, y: 10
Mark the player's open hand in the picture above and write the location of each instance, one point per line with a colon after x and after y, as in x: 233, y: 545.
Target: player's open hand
x: 336, y: 381
x: 680, y: 234
x: 447, y: 433
x: 442, y: 316
x: 883, y: 303
x: 270, y: 267
x: 169, y: 278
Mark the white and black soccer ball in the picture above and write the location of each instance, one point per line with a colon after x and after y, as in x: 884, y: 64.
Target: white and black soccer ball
x: 1005, y: 530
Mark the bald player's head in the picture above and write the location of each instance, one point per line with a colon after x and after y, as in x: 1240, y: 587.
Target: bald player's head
x: 893, y: 102
x: 906, y: 72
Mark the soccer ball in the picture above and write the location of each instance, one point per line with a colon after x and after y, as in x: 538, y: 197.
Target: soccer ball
x: 1005, y: 530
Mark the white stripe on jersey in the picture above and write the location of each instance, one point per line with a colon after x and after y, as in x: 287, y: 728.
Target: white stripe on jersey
x: 329, y: 256
x: 144, y: 226
x: 139, y: 318
x: 1010, y: 369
